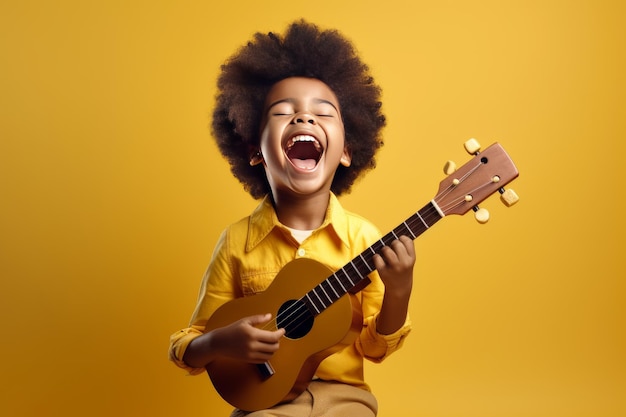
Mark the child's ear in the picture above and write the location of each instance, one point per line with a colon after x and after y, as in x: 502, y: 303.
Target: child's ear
x: 346, y: 157
x: 256, y: 158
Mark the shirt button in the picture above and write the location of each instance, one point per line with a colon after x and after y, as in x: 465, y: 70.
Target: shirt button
x: 301, y: 252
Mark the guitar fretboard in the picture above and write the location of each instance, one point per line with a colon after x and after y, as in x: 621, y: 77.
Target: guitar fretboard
x: 354, y: 274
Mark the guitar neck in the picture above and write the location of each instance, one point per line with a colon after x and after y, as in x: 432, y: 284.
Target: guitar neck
x: 353, y: 276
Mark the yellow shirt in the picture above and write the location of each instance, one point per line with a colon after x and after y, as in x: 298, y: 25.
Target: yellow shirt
x: 252, y: 251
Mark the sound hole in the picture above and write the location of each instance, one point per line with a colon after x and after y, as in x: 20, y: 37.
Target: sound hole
x: 295, y: 318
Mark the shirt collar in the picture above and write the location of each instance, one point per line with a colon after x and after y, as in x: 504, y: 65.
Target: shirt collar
x: 264, y: 219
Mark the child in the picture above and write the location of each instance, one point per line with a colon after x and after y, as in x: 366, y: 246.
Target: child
x: 298, y: 118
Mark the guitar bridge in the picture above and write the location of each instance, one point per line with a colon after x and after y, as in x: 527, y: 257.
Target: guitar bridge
x: 265, y: 369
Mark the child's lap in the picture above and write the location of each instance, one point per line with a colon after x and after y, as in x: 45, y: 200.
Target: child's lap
x: 323, y: 399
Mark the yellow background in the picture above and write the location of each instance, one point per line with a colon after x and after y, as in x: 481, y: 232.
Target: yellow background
x: 112, y: 195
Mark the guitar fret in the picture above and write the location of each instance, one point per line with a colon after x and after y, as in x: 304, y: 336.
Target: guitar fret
x: 312, y: 303
x: 394, y: 234
x: 356, y: 269
x: 326, y: 294
x: 345, y: 280
x: 376, y: 247
x: 340, y: 283
x: 332, y: 288
x: 365, y: 262
x: 318, y: 297
x: 332, y: 291
x: 410, y: 231
x: 422, y: 219
x: 347, y: 276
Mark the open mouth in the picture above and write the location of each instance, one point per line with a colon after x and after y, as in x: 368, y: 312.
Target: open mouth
x: 304, y: 151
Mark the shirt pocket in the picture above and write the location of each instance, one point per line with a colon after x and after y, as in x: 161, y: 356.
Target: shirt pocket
x: 257, y: 281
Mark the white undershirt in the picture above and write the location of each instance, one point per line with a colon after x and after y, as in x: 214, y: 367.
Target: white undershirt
x: 300, y: 235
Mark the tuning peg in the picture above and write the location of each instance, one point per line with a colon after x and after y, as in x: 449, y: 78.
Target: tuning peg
x: 449, y: 167
x: 481, y: 214
x: 508, y: 197
x: 472, y: 146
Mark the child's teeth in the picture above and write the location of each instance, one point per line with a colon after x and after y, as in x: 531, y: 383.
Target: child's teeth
x: 303, y: 138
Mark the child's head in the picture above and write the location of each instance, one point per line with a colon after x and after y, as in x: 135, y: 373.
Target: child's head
x: 304, y: 51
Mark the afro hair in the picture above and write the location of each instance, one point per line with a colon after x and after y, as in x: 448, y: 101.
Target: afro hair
x: 303, y: 51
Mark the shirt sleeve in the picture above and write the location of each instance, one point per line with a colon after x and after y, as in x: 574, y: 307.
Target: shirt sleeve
x: 178, y: 345
x: 375, y: 346
x: 217, y: 288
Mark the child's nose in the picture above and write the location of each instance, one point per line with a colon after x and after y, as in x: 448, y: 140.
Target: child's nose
x: 304, y: 118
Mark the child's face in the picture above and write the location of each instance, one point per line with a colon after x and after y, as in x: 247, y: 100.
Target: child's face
x: 302, y: 137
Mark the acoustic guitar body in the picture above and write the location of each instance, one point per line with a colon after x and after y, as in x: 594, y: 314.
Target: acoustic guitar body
x: 309, y: 339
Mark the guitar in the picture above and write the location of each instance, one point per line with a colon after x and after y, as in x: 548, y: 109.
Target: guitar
x: 319, y: 310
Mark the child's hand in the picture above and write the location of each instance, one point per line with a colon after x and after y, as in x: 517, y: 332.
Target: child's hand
x: 395, y: 266
x: 242, y: 340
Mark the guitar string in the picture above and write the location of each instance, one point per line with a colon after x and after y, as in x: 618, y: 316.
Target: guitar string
x: 302, y: 311
x: 301, y: 308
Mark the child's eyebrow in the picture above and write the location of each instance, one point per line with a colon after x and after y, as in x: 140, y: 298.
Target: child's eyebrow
x: 293, y: 101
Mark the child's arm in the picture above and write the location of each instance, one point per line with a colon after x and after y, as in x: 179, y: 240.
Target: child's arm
x: 240, y: 340
x: 395, y: 267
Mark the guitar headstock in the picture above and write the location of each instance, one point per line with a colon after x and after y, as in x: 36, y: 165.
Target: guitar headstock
x: 487, y: 172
